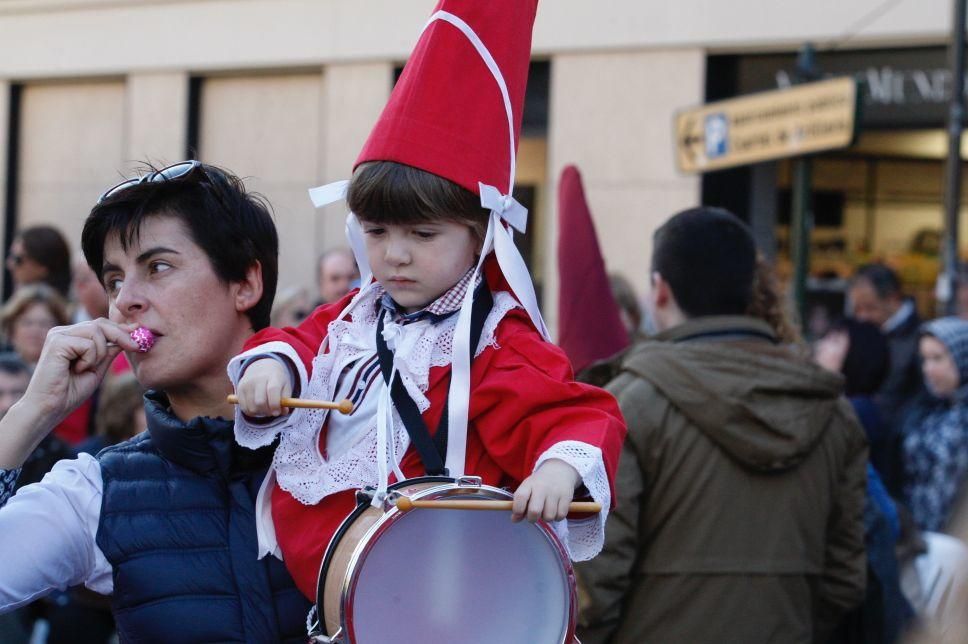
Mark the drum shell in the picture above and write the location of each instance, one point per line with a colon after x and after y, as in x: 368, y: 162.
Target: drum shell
x: 378, y: 523
x: 340, y: 550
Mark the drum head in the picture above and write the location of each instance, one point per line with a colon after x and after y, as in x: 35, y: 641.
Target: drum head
x: 459, y: 576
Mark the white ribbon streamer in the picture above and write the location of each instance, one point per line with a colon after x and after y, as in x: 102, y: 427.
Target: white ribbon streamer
x: 503, y: 207
x: 507, y: 207
x: 383, y: 411
x: 488, y: 59
x: 330, y: 193
x: 386, y: 454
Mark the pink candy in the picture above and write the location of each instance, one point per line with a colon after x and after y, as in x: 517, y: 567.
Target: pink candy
x: 144, y: 337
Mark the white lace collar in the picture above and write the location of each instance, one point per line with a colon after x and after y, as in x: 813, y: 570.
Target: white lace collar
x: 300, y: 468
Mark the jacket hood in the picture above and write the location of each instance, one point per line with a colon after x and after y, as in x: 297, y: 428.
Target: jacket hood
x: 753, y: 398
x: 953, y: 333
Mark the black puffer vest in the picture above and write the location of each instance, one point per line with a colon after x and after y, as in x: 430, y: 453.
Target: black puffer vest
x: 178, y: 528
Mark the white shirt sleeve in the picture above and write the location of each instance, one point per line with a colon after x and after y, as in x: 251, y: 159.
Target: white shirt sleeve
x: 47, y: 535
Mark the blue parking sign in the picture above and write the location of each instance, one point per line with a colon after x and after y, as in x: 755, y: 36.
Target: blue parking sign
x: 717, y: 135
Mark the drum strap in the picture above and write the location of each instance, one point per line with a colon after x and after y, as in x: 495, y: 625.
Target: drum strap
x: 430, y: 449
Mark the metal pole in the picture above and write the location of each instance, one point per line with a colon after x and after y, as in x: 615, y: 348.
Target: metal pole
x: 801, y: 219
x: 801, y: 223
x: 952, y: 186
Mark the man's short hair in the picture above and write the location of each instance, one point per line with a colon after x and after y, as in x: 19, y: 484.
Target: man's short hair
x: 708, y: 257
x: 881, y: 277
x: 232, y: 226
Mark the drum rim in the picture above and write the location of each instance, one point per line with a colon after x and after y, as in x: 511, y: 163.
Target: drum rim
x: 345, y: 525
x: 364, y: 546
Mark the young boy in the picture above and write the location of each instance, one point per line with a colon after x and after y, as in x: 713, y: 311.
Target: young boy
x: 512, y: 416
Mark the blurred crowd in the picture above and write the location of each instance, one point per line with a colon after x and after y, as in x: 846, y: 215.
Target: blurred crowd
x: 905, y: 378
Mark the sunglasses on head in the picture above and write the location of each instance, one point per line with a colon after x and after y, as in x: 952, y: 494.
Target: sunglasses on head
x: 173, y: 172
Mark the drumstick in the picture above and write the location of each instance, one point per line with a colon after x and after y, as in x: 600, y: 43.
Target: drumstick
x: 405, y: 504
x: 343, y: 406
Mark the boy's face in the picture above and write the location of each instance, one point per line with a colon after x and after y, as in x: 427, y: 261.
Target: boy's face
x: 418, y: 263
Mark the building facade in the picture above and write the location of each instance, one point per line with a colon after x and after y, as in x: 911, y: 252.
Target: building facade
x: 284, y: 92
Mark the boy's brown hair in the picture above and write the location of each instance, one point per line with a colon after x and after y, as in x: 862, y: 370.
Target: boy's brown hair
x: 386, y: 192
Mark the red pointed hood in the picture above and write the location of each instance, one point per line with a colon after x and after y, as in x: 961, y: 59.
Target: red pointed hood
x: 589, y: 323
x: 447, y: 114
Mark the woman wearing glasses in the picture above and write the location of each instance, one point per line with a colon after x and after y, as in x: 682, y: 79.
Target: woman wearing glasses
x: 163, y: 522
x: 40, y: 254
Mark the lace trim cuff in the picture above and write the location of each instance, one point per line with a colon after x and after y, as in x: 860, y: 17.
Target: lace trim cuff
x: 8, y: 480
x: 583, y: 537
x: 250, y: 432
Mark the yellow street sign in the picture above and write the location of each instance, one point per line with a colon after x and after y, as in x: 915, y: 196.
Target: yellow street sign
x: 770, y: 125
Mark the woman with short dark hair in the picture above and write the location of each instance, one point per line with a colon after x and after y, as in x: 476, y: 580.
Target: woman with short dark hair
x: 163, y: 523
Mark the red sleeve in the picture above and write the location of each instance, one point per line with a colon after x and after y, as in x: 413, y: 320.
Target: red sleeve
x: 526, y: 400
x: 308, y: 336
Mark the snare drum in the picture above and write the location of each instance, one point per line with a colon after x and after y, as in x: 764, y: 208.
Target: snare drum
x: 454, y: 576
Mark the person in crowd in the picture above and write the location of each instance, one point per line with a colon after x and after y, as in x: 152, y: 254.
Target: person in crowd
x: 875, y: 296
x: 628, y: 304
x: 120, y: 413
x: 26, y: 319
x: 40, y: 254
x: 90, y: 303
x: 291, y: 307
x: 163, y: 523
x: 90, y: 300
x: 81, y: 616
x: 14, y: 378
x: 859, y: 352
x: 767, y: 304
x: 337, y: 273
x: 935, y: 447
x: 741, y: 486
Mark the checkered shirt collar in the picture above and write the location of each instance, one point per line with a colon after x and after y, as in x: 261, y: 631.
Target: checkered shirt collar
x: 438, y: 310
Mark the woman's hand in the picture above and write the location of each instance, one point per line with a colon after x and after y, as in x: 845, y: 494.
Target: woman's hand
x: 71, y: 366
x: 547, y: 493
x: 262, y: 386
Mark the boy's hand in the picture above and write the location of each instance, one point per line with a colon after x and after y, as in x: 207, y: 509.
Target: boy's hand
x: 547, y: 493
x: 264, y: 383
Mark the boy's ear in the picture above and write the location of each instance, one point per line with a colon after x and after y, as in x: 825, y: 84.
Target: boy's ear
x: 248, y: 290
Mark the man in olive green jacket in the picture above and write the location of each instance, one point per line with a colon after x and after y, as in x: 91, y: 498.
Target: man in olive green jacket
x: 742, y: 481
